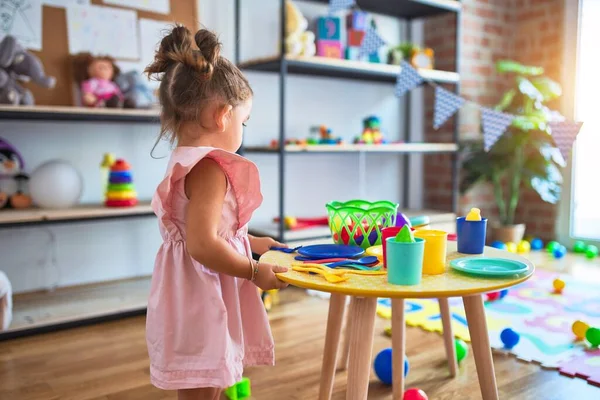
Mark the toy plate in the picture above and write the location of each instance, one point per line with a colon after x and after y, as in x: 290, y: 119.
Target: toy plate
x: 489, y: 266
x: 330, y: 251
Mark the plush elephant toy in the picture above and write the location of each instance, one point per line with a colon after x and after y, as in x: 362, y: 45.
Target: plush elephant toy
x: 17, y: 64
x: 135, y: 90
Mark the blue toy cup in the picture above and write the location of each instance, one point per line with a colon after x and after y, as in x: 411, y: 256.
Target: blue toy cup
x: 404, y: 261
x: 471, y: 235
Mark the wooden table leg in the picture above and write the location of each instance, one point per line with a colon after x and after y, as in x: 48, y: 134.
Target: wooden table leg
x: 481, y: 346
x: 343, y: 362
x: 448, y: 336
x: 337, y: 307
x: 361, y: 347
x: 398, y: 348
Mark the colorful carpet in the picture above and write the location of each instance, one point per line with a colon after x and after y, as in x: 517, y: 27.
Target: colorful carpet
x: 542, y: 318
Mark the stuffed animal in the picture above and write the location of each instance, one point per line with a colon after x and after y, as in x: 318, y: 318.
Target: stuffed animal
x: 12, y: 178
x: 136, y: 92
x: 298, y: 40
x: 17, y: 64
x: 95, y: 77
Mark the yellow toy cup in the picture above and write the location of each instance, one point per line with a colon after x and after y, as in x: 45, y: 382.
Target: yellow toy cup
x: 434, y: 259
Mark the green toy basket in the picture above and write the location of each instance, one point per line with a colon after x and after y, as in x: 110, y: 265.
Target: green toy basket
x: 359, y: 222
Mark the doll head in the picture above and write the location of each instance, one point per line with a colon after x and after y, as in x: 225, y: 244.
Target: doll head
x: 87, y: 66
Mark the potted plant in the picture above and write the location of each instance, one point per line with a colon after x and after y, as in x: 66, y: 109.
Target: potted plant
x: 525, y: 156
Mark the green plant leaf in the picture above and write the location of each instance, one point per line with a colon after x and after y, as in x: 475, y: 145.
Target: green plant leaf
x: 549, y: 89
x: 507, y: 66
x: 528, y: 89
x: 506, y: 100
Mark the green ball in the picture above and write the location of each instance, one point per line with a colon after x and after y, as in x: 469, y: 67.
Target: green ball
x: 593, y: 336
x: 552, y: 246
x: 591, y: 251
x: 461, y: 349
x: 579, y: 247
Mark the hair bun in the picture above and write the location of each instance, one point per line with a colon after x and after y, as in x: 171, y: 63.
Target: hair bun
x: 209, y: 46
x: 175, y: 48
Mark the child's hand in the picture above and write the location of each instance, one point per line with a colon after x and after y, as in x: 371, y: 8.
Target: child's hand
x: 266, y: 278
x: 260, y: 245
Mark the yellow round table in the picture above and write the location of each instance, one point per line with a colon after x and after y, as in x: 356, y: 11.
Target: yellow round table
x: 365, y: 290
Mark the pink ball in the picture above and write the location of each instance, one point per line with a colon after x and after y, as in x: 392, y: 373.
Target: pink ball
x: 415, y: 394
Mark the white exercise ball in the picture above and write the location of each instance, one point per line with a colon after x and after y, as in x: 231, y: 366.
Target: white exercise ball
x: 55, y: 184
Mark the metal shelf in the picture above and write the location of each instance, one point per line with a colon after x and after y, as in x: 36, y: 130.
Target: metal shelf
x: 407, y: 9
x: 406, y: 148
x: 81, y: 114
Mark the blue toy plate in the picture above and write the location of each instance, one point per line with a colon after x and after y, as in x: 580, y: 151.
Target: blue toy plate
x: 330, y: 251
x: 489, y: 266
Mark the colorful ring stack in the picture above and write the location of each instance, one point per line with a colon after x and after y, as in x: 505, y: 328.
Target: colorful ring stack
x: 121, y: 190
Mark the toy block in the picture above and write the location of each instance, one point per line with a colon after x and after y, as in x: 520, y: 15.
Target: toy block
x: 355, y: 38
x: 329, y: 48
x: 329, y: 28
x: 374, y: 58
x: 353, y: 53
x: 357, y: 20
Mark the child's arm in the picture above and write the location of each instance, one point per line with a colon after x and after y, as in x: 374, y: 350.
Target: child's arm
x: 260, y: 245
x: 206, y: 186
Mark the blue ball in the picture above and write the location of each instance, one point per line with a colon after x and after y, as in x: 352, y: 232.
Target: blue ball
x: 499, y: 245
x: 537, y: 244
x: 383, y: 366
x: 503, y: 293
x: 509, y: 338
x: 559, y: 252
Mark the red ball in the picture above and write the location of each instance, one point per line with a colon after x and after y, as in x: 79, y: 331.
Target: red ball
x: 345, y: 234
x: 415, y: 394
x: 493, y: 296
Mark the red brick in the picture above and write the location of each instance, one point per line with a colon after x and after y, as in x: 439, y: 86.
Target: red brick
x: 486, y: 13
x: 529, y: 15
x: 484, y: 70
x: 493, y: 29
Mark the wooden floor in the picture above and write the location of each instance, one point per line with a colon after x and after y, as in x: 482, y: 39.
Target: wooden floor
x: 109, y: 362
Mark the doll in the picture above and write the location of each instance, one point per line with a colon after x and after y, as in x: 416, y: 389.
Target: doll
x: 95, y: 77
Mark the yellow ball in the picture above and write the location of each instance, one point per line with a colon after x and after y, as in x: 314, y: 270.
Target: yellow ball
x: 290, y: 222
x: 511, y: 247
x: 523, y: 247
x: 579, y: 328
x: 558, y: 284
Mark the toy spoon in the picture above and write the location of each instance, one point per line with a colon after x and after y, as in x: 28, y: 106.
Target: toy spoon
x: 331, y: 278
x: 365, y: 261
x: 341, y: 271
x: 285, y: 249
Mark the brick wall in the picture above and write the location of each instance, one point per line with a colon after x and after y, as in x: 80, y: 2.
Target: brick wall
x: 529, y: 31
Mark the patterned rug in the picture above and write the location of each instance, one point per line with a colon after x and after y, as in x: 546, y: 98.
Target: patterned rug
x: 542, y: 318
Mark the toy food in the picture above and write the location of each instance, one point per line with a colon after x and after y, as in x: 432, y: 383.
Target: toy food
x: 405, y: 235
x: 95, y: 76
x: 474, y: 215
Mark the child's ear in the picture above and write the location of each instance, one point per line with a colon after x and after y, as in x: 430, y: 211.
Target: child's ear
x: 222, y: 115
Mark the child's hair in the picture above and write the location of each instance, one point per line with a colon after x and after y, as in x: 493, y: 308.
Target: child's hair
x: 191, y: 78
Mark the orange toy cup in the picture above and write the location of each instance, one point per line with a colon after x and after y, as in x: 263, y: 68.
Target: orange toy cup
x: 434, y: 259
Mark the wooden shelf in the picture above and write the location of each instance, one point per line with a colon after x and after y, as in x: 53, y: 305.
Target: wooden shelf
x: 33, y: 216
x: 339, y: 68
x: 408, y: 9
x: 60, y: 113
x: 357, y: 148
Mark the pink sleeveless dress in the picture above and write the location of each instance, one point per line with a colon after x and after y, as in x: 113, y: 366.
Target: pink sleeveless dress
x: 203, y: 327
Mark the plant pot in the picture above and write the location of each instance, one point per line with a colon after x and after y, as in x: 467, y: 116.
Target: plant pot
x: 508, y: 233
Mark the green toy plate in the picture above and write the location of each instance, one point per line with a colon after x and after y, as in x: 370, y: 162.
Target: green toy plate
x: 492, y: 267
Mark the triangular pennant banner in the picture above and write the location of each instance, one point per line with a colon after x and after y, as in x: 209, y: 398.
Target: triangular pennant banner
x: 371, y: 42
x: 494, y: 125
x: 339, y: 5
x: 564, y: 134
x: 446, y: 104
x: 408, y: 79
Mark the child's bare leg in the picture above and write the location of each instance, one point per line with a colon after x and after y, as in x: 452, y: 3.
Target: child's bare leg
x: 199, y: 394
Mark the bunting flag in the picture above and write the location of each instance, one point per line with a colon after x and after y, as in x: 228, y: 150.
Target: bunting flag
x: 371, y: 42
x: 494, y: 125
x: 408, y: 79
x: 339, y: 5
x: 564, y: 134
x: 446, y: 105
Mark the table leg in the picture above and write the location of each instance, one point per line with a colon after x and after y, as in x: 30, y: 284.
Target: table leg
x: 343, y: 363
x: 398, y: 348
x: 361, y: 347
x: 337, y: 307
x: 448, y: 336
x: 481, y: 346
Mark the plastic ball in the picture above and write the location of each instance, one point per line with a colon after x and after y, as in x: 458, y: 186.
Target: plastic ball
x: 55, y: 184
x: 499, y: 245
x: 461, y: 349
x: 591, y: 251
x: 503, y: 293
x: 537, y: 244
x: 414, y: 394
x: 383, y: 366
x: 579, y: 329
x: 551, y: 246
x: 509, y: 338
x: 523, y: 247
x: 559, y: 252
x: 492, y: 296
x: 558, y: 285
x: 511, y: 247
x: 579, y: 247
x: 593, y: 336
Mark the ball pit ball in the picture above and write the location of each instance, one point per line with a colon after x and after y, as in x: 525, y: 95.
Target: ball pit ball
x: 414, y: 394
x: 579, y: 247
x: 524, y: 247
x: 461, y: 349
x: 511, y: 247
x: 551, y: 246
x: 593, y: 336
x: 537, y: 244
x: 492, y: 296
x: 579, y: 329
x: 591, y: 251
x: 559, y: 252
x: 383, y: 366
x: 499, y: 245
x: 509, y: 338
x: 558, y: 285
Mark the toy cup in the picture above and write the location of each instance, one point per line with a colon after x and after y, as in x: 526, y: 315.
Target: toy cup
x: 404, y: 261
x: 471, y: 235
x: 434, y: 259
x: 391, y: 231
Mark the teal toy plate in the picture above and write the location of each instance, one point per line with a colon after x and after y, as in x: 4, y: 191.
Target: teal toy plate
x: 492, y: 267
